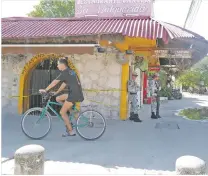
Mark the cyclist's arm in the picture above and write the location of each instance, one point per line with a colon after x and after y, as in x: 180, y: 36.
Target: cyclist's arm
x: 63, y: 85
x: 53, y: 84
x: 61, y: 77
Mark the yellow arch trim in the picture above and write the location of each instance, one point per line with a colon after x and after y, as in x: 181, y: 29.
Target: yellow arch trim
x: 28, y: 68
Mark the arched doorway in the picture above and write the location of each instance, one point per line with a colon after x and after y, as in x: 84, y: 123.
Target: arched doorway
x: 37, y: 74
x: 40, y: 77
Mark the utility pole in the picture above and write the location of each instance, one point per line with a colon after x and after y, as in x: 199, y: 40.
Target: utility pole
x: 191, y: 16
x: 153, y: 14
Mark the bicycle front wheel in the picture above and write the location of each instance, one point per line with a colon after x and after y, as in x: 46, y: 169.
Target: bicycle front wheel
x: 36, y: 123
x: 91, y: 125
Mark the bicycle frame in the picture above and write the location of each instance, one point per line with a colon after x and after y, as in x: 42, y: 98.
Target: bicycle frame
x: 48, y: 106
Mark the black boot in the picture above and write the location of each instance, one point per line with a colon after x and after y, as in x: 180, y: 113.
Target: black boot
x: 153, y: 116
x: 158, y: 116
x: 136, y: 118
x: 132, y: 117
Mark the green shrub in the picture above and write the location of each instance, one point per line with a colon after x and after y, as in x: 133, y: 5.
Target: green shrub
x: 165, y: 92
x: 195, y: 113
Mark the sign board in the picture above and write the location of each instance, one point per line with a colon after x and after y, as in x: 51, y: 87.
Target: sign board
x: 173, y: 54
x: 113, y: 8
x: 154, y: 69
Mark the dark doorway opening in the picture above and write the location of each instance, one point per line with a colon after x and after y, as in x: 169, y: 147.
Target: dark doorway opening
x: 41, y: 76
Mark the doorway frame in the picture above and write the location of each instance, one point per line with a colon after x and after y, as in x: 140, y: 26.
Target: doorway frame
x: 23, y: 100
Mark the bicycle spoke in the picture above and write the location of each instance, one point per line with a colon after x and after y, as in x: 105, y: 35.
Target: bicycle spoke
x: 34, y: 125
x: 90, y: 125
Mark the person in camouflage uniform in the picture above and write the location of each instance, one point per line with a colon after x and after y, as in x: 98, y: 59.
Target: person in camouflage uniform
x: 133, y: 90
x: 155, y: 103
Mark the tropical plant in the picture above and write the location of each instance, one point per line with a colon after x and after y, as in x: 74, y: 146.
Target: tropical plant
x: 165, y: 92
x: 163, y: 78
x: 193, y: 76
x: 190, y: 78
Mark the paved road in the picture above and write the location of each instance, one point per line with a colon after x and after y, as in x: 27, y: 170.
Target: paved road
x: 126, y: 147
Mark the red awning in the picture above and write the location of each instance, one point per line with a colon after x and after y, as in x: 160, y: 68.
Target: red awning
x: 23, y: 28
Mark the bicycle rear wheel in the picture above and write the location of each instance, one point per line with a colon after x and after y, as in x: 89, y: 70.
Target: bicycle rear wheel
x: 35, y: 124
x: 91, y: 125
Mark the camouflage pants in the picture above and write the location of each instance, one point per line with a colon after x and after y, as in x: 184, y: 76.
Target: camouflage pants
x: 134, y: 103
x: 155, y: 104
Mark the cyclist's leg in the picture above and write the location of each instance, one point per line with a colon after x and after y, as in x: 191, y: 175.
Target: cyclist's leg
x: 61, y: 98
x: 65, y: 108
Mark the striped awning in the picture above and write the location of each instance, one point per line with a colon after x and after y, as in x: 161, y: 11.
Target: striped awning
x: 24, y: 28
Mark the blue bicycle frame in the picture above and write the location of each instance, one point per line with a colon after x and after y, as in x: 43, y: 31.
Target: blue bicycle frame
x: 48, y: 106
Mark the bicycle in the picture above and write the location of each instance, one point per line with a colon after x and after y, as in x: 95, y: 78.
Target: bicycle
x: 45, y: 118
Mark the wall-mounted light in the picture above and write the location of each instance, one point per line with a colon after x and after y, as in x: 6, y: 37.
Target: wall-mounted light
x: 129, y: 52
x: 100, y: 50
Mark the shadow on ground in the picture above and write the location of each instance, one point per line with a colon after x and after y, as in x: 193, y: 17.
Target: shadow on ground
x: 125, y: 143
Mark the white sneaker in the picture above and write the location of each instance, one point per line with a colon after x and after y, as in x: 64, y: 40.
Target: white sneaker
x: 71, y: 133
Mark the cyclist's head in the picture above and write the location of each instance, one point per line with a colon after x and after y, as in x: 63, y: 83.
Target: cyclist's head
x: 62, y: 63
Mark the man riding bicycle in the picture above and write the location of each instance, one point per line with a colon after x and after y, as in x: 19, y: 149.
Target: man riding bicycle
x: 75, y: 94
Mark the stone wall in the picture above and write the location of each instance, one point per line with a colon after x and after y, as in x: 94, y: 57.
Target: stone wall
x: 99, y: 71
x: 12, y: 66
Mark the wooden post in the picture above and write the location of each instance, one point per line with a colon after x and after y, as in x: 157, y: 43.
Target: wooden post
x: 29, y: 160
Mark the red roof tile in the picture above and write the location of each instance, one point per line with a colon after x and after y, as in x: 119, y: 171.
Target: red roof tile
x: 26, y: 27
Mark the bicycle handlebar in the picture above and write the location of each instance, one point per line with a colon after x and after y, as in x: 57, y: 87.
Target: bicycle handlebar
x: 47, y: 94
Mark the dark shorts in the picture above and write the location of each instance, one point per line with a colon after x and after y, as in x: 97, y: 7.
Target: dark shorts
x: 73, y: 98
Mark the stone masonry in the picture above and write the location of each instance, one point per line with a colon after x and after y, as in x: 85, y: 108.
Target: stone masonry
x: 99, y: 71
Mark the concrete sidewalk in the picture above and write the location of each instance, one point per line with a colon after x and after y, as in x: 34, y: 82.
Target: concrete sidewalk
x: 126, y: 147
